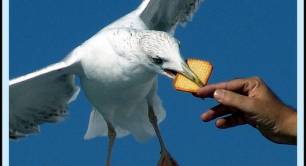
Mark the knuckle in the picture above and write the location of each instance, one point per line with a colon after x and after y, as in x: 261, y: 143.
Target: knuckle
x: 226, y: 85
x: 256, y: 79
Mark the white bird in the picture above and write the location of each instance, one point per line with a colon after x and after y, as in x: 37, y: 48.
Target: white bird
x: 117, y: 68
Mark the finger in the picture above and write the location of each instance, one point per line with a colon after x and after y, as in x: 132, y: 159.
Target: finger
x: 217, y: 111
x: 230, y: 121
x: 196, y: 95
x: 206, y: 91
x: 233, y: 85
x: 232, y: 99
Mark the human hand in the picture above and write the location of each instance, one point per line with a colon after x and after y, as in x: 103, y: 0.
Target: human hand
x: 250, y: 101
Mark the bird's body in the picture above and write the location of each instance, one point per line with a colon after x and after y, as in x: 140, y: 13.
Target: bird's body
x: 117, y: 87
x: 117, y: 68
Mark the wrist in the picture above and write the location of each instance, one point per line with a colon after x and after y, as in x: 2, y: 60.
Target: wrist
x: 288, y: 125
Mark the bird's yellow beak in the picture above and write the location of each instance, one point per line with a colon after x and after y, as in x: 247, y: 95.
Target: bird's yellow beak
x: 188, y: 73
x: 185, y: 70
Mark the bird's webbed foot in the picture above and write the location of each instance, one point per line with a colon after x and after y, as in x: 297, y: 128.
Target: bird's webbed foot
x: 166, y: 160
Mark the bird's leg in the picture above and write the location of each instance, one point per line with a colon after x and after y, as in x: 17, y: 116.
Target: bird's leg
x: 165, y: 158
x: 111, y: 137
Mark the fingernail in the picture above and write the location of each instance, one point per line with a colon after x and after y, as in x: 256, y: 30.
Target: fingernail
x: 204, y: 117
x: 218, y: 94
x: 220, y: 124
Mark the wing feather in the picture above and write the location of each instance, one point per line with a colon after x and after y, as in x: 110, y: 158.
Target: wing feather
x: 165, y: 15
x: 39, y: 97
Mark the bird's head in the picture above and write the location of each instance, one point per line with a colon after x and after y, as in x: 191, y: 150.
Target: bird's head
x: 162, y: 55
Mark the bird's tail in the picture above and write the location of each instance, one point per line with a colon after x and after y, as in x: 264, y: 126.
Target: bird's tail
x: 136, y: 122
x: 97, y: 127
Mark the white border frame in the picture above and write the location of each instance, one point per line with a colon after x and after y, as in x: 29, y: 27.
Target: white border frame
x: 5, y: 77
x: 300, y: 82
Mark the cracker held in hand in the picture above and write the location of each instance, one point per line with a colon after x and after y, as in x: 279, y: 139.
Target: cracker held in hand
x: 201, y: 68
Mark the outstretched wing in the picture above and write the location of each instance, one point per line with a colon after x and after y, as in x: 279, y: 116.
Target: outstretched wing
x: 41, y: 96
x: 165, y: 15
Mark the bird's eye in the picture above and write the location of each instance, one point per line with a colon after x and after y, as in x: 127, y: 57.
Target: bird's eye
x: 157, y: 60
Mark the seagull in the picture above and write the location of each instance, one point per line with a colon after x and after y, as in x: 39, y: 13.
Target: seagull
x: 117, y: 68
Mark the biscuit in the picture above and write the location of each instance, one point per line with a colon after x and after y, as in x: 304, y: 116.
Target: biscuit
x: 202, y: 69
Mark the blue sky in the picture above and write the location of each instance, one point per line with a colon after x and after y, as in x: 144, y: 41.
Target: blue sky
x: 241, y: 38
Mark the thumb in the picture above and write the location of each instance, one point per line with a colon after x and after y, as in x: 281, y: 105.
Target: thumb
x: 233, y: 99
